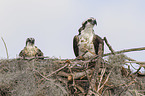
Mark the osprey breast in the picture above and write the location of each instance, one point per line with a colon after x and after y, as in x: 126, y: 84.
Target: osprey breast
x: 31, y: 51
x: 86, y: 42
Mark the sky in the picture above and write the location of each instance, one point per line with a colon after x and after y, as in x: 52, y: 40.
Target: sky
x: 54, y: 23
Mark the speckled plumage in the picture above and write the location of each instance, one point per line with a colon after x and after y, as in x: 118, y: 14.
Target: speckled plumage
x: 30, y: 50
x: 86, y: 39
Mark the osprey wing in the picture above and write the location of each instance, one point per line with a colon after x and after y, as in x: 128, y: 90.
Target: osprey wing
x: 96, y: 41
x: 39, y: 52
x: 22, y: 53
x: 75, y: 45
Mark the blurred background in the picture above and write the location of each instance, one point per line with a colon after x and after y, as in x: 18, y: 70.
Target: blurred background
x: 53, y: 24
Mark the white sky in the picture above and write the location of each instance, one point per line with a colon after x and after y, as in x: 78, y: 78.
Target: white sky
x: 53, y: 24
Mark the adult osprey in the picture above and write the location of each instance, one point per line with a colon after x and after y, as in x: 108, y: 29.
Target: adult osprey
x: 86, y: 40
x: 30, y: 50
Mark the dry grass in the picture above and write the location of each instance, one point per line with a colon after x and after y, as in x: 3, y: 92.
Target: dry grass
x: 25, y: 78
x: 17, y: 78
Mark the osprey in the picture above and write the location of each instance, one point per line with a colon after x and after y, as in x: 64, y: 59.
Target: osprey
x: 86, y: 42
x: 30, y: 50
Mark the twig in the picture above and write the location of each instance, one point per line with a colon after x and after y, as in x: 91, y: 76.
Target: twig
x: 72, y: 76
x: 5, y: 47
x: 134, y: 61
x: 102, y: 74
x: 58, y: 70
x: 137, y: 70
x: 89, y: 51
x: 130, y: 59
x: 77, y: 75
x: 105, y: 80
x: 84, y: 53
x: 132, y: 66
x: 80, y: 88
x: 109, y: 46
x: 86, y: 50
x: 126, y: 50
x: 55, y: 71
x: 138, y: 62
x: 61, y: 73
x: 31, y: 58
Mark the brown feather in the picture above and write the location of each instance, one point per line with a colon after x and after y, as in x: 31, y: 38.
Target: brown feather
x: 96, y: 41
x: 39, y: 52
x: 30, y: 53
x: 75, y: 45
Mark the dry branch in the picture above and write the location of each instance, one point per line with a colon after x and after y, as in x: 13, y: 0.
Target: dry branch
x: 89, y: 51
x: 138, y: 62
x: 109, y: 46
x: 31, y: 58
x: 102, y: 74
x: 58, y: 70
x: 86, y: 50
x: 126, y: 50
x: 130, y: 59
x: 77, y: 75
x: 80, y: 88
x: 62, y: 73
x: 105, y: 80
x: 137, y: 70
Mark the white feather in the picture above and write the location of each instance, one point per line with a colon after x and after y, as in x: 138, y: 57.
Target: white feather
x: 86, y: 41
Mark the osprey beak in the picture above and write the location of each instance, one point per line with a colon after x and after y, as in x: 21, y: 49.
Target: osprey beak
x: 94, y: 22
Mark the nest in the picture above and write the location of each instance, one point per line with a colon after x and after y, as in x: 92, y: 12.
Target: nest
x: 55, y: 77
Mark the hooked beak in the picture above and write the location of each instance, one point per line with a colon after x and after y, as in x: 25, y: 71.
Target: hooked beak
x: 94, y: 22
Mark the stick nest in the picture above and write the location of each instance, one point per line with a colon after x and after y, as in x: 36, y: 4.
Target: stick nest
x: 55, y: 77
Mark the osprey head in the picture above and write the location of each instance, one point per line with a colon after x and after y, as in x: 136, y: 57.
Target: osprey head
x: 30, y: 41
x: 89, y: 23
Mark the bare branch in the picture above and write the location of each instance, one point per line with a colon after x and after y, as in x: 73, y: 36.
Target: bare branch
x: 77, y: 75
x: 126, y: 50
x: 102, y: 74
x: 138, y: 62
x: 137, y: 70
x: 61, y: 73
x: 109, y: 46
x: 58, y: 70
x: 105, y: 80
x: 31, y: 58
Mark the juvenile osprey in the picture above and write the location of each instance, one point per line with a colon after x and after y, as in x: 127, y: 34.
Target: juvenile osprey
x: 30, y: 50
x: 87, y: 40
